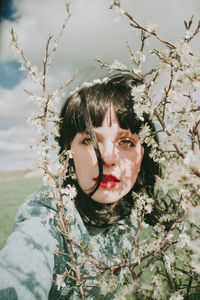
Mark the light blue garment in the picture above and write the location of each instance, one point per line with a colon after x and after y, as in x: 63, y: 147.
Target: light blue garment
x: 28, y: 265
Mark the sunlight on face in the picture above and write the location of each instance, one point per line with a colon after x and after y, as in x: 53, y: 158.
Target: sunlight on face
x: 122, y: 155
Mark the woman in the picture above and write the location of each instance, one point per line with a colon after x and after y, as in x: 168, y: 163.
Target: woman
x: 100, y: 127
x: 89, y: 117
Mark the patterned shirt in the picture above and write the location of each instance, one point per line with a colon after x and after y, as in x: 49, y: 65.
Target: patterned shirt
x: 28, y: 263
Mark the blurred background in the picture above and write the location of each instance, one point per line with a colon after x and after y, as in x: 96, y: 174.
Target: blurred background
x: 92, y: 31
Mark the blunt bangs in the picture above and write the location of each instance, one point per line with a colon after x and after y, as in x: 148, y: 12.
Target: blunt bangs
x: 116, y: 92
x: 87, y: 107
x: 99, y: 99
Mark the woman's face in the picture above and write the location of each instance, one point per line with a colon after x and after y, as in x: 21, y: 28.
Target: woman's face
x: 121, y: 154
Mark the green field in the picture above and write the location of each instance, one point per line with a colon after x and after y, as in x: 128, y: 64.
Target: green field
x: 14, y: 188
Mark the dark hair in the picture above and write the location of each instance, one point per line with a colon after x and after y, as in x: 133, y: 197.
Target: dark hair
x: 86, y: 109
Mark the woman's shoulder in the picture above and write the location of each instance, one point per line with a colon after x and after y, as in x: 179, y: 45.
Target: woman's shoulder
x: 27, y: 260
x: 37, y: 204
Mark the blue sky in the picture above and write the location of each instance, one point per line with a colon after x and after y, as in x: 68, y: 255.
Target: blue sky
x: 8, y: 10
x: 9, y: 71
x: 10, y: 76
x: 91, y: 32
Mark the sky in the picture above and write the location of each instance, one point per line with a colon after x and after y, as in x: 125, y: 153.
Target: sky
x: 91, y: 32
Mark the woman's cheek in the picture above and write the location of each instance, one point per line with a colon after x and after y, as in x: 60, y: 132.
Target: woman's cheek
x: 84, y: 159
x: 90, y: 157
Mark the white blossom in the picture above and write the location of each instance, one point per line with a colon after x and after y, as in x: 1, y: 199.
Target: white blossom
x: 158, y: 228
x: 158, y: 291
x: 81, y: 258
x: 138, y: 91
x: 195, y: 246
x: 59, y: 281
x: 169, y: 259
x: 140, y: 56
x: 92, y: 244
x: 145, y: 225
x: 70, y: 154
x: 170, y: 237
x: 194, y: 215
x: 49, y: 181
x: 144, y: 132
x: 183, y: 240
x: 117, y: 12
x: 176, y: 296
x: 70, y: 191
x: 50, y: 216
x: 151, y: 27
x: 188, y: 34
x: 134, y: 217
x: 137, y: 70
x: 89, y: 84
x: 108, y: 286
x: 192, y: 159
x: 116, y: 65
x: 55, y: 46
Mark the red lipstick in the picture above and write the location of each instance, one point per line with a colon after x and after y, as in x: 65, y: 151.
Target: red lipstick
x: 108, y: 181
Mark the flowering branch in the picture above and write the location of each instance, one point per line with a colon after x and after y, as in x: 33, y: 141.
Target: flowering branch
x: 175, y: 112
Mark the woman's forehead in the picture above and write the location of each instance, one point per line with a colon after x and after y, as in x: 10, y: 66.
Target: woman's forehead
x: 111, y: 121
x: 110, y: 118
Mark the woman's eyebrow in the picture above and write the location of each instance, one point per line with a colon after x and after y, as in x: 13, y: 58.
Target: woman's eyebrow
x: 86, y: 132
x: 127, y: 135
x: 122, y: 132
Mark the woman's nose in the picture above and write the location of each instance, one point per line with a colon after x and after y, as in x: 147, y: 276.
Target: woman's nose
x: 108, y: 153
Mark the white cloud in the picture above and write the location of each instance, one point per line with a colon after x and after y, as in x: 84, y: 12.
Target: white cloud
x: 91, y: 32
x: 14, y: 139
x: 13, y: 105
x: 14, y: 150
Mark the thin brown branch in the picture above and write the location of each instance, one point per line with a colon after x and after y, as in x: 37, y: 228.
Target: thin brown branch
x: 143, y: 39
x: 154, y: 256
x: 136, y: 25
x: 136, y: 236
x: 164, y: 101
x: 194, y: 33
x: 45, y: 64
x: 107, y: 66
x: 196, y: 172
x: 190, y: 273
x: 68, y: 82
x: 188, y: 25
x: 169, y: 278
x: 162, y: 123
x: 62, y: 174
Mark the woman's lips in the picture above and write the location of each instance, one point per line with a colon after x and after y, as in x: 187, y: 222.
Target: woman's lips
x: 108, y: 181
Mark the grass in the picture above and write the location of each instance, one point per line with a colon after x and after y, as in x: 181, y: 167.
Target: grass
x: 14, y: 189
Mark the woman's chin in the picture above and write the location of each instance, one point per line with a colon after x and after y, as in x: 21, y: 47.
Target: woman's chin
x: 106, y: 196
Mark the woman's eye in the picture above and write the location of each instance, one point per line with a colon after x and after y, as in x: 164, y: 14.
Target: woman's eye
x: 87, y: 141
x: 126, y: 143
